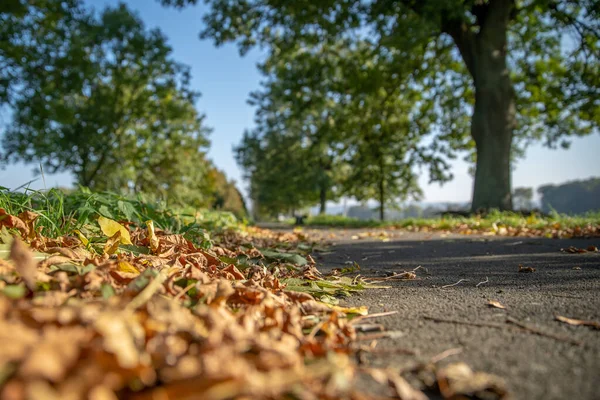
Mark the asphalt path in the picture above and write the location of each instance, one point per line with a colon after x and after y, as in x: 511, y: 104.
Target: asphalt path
x: 548, y: 360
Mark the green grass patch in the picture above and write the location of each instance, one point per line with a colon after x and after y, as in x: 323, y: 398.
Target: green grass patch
x: 64, y: 212
x: 491, y: 221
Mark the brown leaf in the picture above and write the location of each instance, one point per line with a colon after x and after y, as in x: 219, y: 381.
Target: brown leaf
x: 457, y: 381
x: 55, y: 354
x: 573, y: 250
x: 526, y: 269
x: 29, y: 217
x: 12, y: 222
x: 25, y: 264
x: 112, y: 244
x: 578, y: 322
x: 403, y: 389
x: 495, y: 304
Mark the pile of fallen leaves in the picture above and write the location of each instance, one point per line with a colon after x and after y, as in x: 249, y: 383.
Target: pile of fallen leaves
x: 122, y: 311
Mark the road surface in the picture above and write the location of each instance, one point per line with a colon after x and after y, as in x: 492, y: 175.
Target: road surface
x: 534, y: 366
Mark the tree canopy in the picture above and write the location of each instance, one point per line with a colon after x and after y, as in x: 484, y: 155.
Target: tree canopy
x: 519, y: 70
x: 101, y: 96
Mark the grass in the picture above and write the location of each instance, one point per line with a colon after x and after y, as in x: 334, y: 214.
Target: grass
x: 62, y: 213
x: 491, y: 221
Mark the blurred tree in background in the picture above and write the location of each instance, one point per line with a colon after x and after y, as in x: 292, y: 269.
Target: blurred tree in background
x: 520, y: 70
x: 575, y: 197
x: 102, y: 97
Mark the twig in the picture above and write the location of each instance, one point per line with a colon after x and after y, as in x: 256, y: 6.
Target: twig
x: 482, y: 282
x: 381, y: 335
x: 445, y: 354
x: 369, y: 316
x: 147, y: 293
x: 470, y: 323
x: 519, y: 326
x: 369, y: 328
x: 393, y: 350
x: 536, y: 331
x: 454, y: 284
x: 184, y: 291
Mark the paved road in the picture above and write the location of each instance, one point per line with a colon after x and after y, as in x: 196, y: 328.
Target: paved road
x: 535, y: 367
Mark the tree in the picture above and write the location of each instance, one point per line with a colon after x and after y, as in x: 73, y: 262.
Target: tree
x: 113, y: 107
x: 532, y: 65
x: 34, y: 37
x: 226, y: 196
x: 522, y: 198
x: 574, y: 197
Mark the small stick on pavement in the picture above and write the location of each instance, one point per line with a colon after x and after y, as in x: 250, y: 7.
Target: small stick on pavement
x: 536, y: 331
x: 478, y: 324
x: 454, y: 284
x: 445, y: 354
x: 482, y: 282
x: 369, y: 316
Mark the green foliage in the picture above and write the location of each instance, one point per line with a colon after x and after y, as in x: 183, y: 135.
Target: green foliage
x: 477, y: 223
x: 574, y: 197
x: 455, y: 53
x: 522, y: 197
x: 110, y: 105
x: 64, y: 212
x: 226, y: 196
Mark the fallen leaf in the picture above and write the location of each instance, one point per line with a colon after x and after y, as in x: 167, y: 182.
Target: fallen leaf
x: 110, y: 228
x: 125, y: 266
x: 25, y: 264
x: 526, y: 269
x: 154, y: 243
x: 12, y: 222
x: 495, y: 304
x: 112, y: 244
x: 573, y: 250
x: 578, y: 322
x: 457, y: 381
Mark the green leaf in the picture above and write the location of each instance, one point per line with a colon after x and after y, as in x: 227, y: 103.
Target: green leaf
x: 107, y: 291
x: 288, y: 257
x: 14, y: 291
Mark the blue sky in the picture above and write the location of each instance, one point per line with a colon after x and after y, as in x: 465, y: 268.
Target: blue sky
x: 225, y: 80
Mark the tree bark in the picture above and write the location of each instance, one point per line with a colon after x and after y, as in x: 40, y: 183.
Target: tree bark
x: 381, y: 199
x: 494, y: 115
x: 322, y: 199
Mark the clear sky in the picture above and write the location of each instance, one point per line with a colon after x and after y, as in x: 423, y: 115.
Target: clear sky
x: 225, y: 80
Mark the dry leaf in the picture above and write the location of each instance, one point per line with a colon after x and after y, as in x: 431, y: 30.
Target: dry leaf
x: 526, y: 269
x: 457, y: 381
x: 495, y: 304
x: 403, y: 389
x: 112, y: 244
x: 578, y: 322
x: 25, y: 264
x: 154, y: 242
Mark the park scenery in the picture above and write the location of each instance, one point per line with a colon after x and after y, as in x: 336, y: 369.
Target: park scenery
x: 160, y: 245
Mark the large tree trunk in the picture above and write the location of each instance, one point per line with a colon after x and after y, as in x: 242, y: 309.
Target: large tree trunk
x: 494, y: 118
x: 381, y: 199
x: 322, y: 199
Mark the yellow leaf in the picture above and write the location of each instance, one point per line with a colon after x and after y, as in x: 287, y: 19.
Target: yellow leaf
x: 112, y: 244
x: 152, y: 236
x: 125, y: 266
x: 362, y: 310
x: 110, y: 227
x: 83, y: 239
